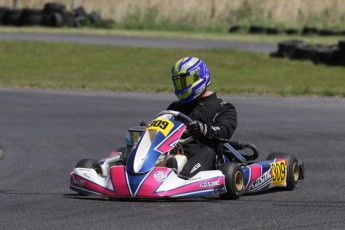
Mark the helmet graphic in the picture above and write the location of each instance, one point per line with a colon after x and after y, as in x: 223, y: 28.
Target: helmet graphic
x: 190, y: 77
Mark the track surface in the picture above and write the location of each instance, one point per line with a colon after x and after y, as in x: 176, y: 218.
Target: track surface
x: 136, y: 41
x: 44, y: 133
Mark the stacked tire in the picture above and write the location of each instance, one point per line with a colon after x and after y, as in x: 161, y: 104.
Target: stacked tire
x: 11, y: 17
x: 54, y: 15
x: 30, y: 17
x: 341, y: 46
x: 298, y: 50
x: 287, y: 48
x: 305, y: 31
x: 3, y: 11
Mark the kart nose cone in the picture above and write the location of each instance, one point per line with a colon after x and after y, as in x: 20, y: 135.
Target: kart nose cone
x: 138, y: 163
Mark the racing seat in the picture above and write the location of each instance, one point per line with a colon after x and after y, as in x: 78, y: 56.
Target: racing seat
x: 176, y: 162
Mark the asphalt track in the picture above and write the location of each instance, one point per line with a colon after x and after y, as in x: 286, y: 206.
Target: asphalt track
x: 44, y: 133
x: 137, y: 41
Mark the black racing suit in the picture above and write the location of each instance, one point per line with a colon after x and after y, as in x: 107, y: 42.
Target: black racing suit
x: 221, y: 119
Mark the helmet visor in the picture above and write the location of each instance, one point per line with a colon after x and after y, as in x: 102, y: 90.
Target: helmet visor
x: 182, y: 81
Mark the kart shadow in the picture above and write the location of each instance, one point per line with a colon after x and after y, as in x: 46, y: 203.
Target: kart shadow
x: 147, y: 200
x: 170, y: 199
x: 20, y: 192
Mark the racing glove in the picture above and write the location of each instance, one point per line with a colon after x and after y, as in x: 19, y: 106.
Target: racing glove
x: 197, y: 128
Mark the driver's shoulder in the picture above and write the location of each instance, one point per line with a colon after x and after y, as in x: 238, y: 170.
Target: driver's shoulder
x: 173, y: 105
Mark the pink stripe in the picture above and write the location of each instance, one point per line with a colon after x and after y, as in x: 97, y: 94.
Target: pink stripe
x: 118, y: 178
x: 166, y: 145
x: 150, y: 185
x: 256, y: 171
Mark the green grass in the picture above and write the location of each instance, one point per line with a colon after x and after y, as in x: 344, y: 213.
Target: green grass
x: 96, y: 67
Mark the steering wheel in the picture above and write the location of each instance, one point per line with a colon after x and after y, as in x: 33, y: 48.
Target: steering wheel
x: 184, y: 118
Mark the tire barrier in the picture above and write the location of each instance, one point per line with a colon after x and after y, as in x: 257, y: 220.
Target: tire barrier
x: 30, y: 17
x: 52, y: 15
x: 11, y: 17
x: 3, y: 11
x: 306, y: 31
x: 333, y: 55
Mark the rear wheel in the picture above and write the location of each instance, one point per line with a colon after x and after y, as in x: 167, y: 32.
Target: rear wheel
x: 90, y: 164
x: 234, y: 180
x: 292, y: 168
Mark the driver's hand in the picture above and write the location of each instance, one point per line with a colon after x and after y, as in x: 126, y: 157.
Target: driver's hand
x: 197, y: 128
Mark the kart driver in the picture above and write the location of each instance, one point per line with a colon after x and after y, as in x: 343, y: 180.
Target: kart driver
x: 212, y: 117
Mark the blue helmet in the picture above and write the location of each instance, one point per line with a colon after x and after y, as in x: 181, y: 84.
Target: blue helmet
x: 190, y: 77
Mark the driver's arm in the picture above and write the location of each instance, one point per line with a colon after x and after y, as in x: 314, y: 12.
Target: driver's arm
x: 224, y: 123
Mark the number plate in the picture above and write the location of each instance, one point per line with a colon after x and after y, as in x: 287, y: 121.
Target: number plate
x: 162, y: 125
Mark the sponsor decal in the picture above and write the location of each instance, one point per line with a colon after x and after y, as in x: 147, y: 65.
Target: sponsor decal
x: 198, y: 165
x: 200, y: 90
x: 278, y: 170
x: 85, y: 169
x: 86, y: 175
x: 194, y: 179
x: 261, y: 181
x: 190, y: 63
x: 160, y: 176
x: 209, y: 184
x: 79, y: 182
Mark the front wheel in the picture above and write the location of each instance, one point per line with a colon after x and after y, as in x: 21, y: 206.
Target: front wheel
x: 292, y: 168
x: 90, y: 164
x: 234, y: 180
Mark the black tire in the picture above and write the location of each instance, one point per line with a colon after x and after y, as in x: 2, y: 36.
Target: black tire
x: 329, y: 56
x: 90, y: 164
x: 53, y: 20
x: 273, y: 31
x: 30, y: 17
x: 291, y: 31
x: 286, y: 48
x: 328, y: 32
x: 310, y: 31
x: 54, y: 7
x: 341, y: 45
x: 3, y: 11
x: 257, y: 29
x: 292, y: 168
x: 304, y: 52
x: 234, y: 181
x: 12, y: 17
x: 234, y: 28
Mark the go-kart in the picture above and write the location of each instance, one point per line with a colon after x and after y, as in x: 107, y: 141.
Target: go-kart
x: 142, y: 170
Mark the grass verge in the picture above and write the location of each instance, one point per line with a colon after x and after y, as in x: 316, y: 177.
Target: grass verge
x: 95, y: 67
